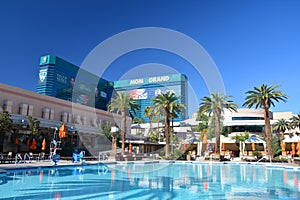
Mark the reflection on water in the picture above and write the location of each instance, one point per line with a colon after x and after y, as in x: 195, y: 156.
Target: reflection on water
x: 172, y: 181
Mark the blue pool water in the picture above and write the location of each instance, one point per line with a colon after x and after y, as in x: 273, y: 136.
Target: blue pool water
x: 152, y: 181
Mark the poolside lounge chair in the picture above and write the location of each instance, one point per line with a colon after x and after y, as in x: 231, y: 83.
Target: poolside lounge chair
x: 6, y: 159
x: 9, y: 155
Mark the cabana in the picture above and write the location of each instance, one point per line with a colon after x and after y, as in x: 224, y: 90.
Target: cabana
x: 253, y: 143
x: 290, y: 145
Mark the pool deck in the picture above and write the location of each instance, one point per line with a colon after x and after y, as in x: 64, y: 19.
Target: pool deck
x: 62, y: 163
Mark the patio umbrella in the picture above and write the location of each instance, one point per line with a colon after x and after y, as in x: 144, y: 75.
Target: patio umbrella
x: 16, y: 142
x: 253, y: 146
x: 282, y: 146
x: 298, y: 148
x: 33, y: 145
x: 130, y: 148
x: 293, y: 148
x: 44, y: 144
x: 223, y: 146
x: 205, y: 141
x: 62, y: 131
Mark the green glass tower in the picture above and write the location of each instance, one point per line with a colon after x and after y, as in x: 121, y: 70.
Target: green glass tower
x: 57, y: 79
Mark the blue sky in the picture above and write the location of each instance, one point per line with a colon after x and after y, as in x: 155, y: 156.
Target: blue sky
x: 251, y: 42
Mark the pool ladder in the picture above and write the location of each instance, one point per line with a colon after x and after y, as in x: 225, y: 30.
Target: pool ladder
x: 267, y: 157
x: 19, y: 159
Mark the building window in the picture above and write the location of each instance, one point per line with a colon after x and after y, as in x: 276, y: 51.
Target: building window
x: 51, y: 114
x: 70, y: 118
x: 94, y: 122
x: 247, y: 118
x: 64, y: 117
x: 77, y: 119
x: 7, y: 105
x: 84, y: 120
x: 45, y: 113
x: 23, y: 109
x: 30, y: 110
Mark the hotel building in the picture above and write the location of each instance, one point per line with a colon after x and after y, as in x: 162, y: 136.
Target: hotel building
x: 144, y: 89
x: 57, y: 79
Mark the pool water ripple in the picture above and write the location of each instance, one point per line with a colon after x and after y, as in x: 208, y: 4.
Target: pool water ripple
x: 152, y: 181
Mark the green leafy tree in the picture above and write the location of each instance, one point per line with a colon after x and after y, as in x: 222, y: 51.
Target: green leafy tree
x: 5, y: 126
x: 33, y: 125
x: 225, y: 131
x: 215, y: 105
x: 264, y: 97
x: 242, y: 137
x: 154, y: 136
x: 106, y: 130
x: 169, y: 102
x: 122, y: 103
x: 295, y: 121
x: 281, y: 126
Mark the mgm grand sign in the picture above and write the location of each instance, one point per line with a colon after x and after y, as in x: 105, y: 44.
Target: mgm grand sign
x: 156, y: 79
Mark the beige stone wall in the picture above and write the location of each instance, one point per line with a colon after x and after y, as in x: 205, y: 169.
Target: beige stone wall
x: 54, y: 107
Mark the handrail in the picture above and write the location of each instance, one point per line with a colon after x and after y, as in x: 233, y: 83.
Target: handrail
x: 26, y: 155
x: 16, y: 158
x: 267, y: 157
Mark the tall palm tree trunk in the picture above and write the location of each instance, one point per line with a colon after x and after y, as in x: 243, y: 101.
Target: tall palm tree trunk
x: 268, y: 132
x: 167, y: 131
x: 217, y: 121
x: 150, y: 122
x: 123, y: 130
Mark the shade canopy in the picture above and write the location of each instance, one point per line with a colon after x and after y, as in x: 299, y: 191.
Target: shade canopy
x: 254, y: 139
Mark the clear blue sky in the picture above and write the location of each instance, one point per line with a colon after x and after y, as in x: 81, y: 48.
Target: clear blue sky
x: 251, y: 42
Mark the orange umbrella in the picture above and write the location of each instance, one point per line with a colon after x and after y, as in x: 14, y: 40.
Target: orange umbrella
x: 130, y: 148
x: 283, y: 146
x: 16, y: 142
x: 223, y: 146
x: 298, y: 148
x: 205, y: 139
x: 62, y: 131
x: 253, y: 146
x: 44, y: 144
x: 115, y: 146
x: 293, y: 148
x: 33, y: 145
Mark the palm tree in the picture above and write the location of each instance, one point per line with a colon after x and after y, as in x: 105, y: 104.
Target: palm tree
x: 122, y: 103
x: 149, y: 112
x: 215, y: 104
x: 33, y: 125
x: 264, y: 97
x: 177, y: 109
x: 169, y: 102
x: 281, y: 126
x: 5, y: 126
x: 295, y: 121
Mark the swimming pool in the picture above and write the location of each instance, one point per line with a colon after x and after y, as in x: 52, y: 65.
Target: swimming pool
x: 161, y: 180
